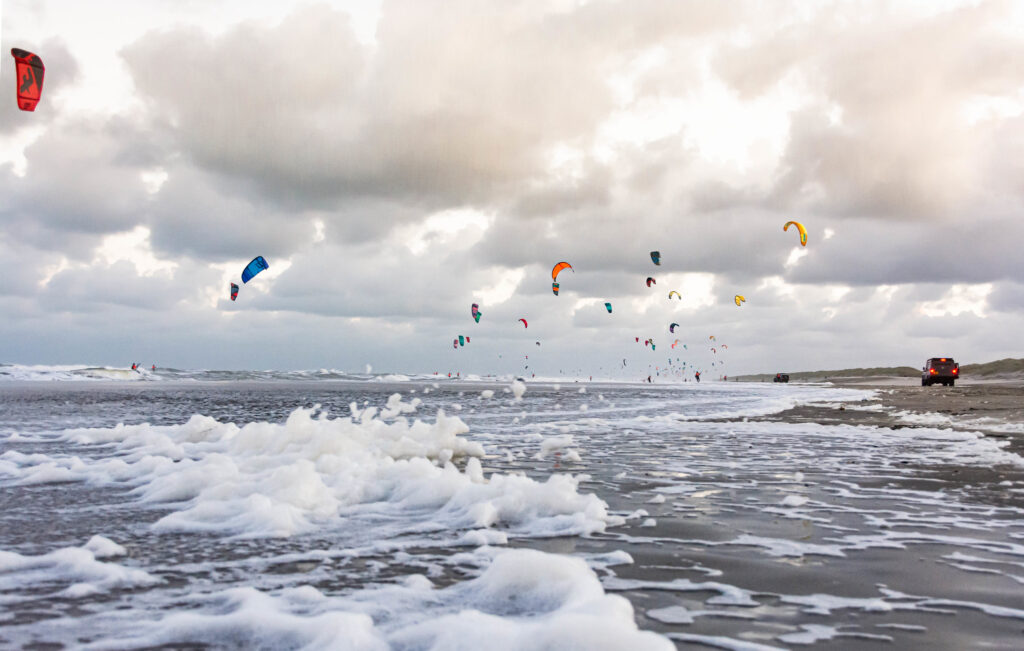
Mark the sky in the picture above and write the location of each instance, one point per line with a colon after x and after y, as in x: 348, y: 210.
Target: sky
x: 396, y: 162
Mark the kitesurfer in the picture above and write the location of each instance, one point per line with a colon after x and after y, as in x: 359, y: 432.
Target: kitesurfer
x: 696, y: 375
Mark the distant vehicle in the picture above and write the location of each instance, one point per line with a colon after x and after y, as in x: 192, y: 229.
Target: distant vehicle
x: 940, y: 370
x: 781, y: 377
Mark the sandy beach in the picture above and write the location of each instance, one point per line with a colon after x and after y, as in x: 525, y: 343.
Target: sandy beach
x: 991, y: 408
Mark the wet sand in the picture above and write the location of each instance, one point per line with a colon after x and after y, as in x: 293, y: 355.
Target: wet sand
x: 993, y: 409
x: 984, y: 407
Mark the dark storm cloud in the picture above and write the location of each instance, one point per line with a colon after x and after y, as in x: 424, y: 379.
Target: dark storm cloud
x: 874, y: 252
x: 1007, y: 297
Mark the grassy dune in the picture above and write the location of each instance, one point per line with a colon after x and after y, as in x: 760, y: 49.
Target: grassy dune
x: 993, y: 370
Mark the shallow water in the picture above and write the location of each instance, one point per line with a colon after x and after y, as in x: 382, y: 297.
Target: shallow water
x: 289, y: 517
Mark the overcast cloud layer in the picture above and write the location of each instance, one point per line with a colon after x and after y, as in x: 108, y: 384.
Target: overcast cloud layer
x: 397, y: 161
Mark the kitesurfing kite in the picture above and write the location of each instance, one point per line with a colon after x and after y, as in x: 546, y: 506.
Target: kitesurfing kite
x: 739, y: 299
x: 234, y: 291
x: 656, y: 257
x: 257, y: 265
x: 799, y: 227
x: 455, y: 344
x: 462, y: 340
x: 554, y: 274
x: 672, y: 328
x: 678, y: 295
x: 29, y: 82
x: 525, y: 324
x: 651, y: 281
x: 475, y: 310
x: 608, y: 306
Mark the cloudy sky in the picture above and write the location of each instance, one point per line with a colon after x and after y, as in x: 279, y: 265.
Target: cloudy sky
x: 397, y: 161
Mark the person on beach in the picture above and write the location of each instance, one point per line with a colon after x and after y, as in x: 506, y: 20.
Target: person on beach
x: 696, y: 375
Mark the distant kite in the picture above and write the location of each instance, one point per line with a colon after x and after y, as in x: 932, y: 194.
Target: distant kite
x: 29, y: 82
x: 257, y: 265
x: 799, y: 227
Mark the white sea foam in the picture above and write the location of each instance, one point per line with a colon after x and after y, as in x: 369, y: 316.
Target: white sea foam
x: 71, y: 571
x: 523, y: 599
x: 313, y: 471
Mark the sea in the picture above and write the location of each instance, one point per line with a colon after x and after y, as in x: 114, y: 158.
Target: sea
x: 175, y: 509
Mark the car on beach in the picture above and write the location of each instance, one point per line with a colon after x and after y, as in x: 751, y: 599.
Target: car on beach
x: 940, y: 370
x: 781, y: 377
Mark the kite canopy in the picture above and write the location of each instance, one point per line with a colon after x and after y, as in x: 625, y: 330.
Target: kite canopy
x: 672, y: 328
x: 608, y: 306
x: 739, y: 299
x: 656, y: 257
x: 476, y: 312
x: 554, y: 288
x: 462, y: 340
x: 257, y: 265
x: 525, y: 324
x: 799, y: 227
x: 651, y: 281
x: 29, y: 82
x: 558, y: 269
x: 678, y: 295
x: 234, y: 291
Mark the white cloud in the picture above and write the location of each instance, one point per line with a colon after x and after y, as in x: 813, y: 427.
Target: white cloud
x: 959, y: 299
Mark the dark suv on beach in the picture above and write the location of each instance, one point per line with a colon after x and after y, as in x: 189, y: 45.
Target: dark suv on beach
x: 940, y: 370
x: 781, y: 377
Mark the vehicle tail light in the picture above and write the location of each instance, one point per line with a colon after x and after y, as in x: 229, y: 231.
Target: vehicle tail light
x: 955, y: 371
x: 934, y: 372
